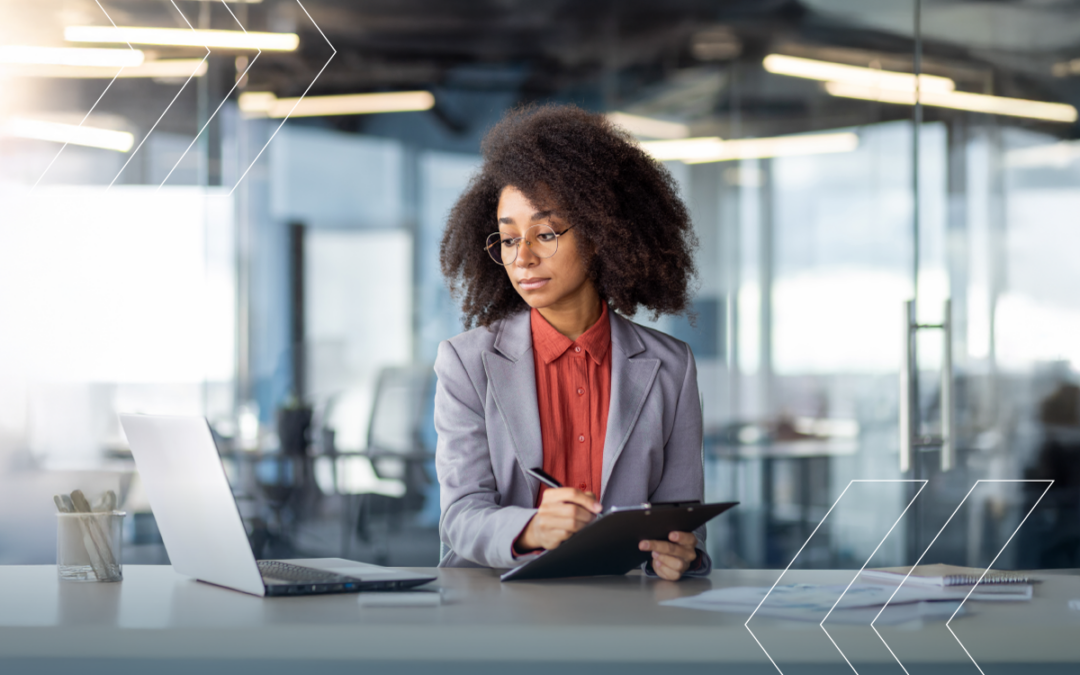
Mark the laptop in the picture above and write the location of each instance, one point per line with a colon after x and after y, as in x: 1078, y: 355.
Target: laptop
x: 201, y: 526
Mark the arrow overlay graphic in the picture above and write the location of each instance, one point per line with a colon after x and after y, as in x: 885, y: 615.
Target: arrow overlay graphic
x: 182, y: 88
x: 917, y: 562
x: 902, y: 513
x: 211, y: 118
x: 947, y: 623
x: 799, y: 552
x: 286, y: 119
x: 88, y: 112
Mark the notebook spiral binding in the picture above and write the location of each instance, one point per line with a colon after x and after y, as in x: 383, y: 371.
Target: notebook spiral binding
x: 999, y: 578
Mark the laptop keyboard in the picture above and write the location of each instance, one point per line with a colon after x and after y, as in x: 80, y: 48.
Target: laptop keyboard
x: 275, y: 570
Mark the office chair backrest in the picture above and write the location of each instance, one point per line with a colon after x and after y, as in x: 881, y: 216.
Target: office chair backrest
x: 397, y: 414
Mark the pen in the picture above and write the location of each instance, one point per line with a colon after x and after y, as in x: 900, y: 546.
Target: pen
x: 544, y: 477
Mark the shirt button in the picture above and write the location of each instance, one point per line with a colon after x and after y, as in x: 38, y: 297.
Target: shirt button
x: 581, y: 439
x: 583, y: 486
x: 577, y: 349
x: 580, y: 391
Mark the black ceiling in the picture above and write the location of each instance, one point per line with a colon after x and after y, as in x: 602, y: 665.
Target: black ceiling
x: 602, y: 53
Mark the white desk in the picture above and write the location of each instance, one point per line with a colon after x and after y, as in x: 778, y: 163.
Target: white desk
x: 158, y: 622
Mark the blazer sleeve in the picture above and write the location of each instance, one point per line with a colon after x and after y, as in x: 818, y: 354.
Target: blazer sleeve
x: 684, y: 470
x: 474, y: 523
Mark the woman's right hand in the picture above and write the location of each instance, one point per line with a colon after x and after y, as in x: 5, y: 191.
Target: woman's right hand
x: 562, y: 512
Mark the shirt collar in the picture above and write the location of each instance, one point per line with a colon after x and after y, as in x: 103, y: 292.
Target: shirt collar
x: 550, y: 344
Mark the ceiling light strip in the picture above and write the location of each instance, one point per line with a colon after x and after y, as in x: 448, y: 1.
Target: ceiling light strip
x: 649, y: 127
x: 683, y: 150
x: 107, y: 139
x: 165, y: 68
x: 826, y: 71
x: 181, y: 37
x: 962, y: 100
x: 266, y: 104
x: 712, y: 149
x: 70, y: 56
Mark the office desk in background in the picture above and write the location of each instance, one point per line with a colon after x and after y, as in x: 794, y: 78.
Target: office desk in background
x: 159, y: 623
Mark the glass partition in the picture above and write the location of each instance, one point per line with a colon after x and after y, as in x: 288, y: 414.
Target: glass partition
x: 197, y: 254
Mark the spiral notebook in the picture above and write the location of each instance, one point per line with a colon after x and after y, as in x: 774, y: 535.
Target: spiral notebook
x: 944, y: 575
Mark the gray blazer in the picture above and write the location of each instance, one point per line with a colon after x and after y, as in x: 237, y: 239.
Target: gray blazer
x: 489, y: 431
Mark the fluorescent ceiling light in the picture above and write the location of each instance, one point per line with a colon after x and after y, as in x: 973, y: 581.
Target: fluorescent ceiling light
x: 69, y: 56
x: 92, y: 137
x: 266, y: 104
x: 855, y: 75
x: 257, y: 102
x: 183, y: 37
x: 648, y: 126
x: 165, y: 68
x: 893, y: 87
x: 688, y: 149
x: 701, y: 150
x: 961, y: 100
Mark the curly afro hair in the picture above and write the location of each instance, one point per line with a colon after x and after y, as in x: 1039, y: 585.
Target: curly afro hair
x: 634, y: 231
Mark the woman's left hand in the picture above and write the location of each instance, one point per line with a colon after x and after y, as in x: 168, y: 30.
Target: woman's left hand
x: 670, y: 559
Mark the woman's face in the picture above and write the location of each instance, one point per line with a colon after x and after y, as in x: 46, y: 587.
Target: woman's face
x: 542, y: 282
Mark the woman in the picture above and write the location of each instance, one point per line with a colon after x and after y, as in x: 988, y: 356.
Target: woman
x: 568, y: 227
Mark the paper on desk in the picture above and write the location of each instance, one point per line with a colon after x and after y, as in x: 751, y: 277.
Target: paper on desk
x: 863, y: 616
x: 810, y: 602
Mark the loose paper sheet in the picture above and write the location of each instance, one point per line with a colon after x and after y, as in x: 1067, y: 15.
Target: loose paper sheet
x: 810, y: 602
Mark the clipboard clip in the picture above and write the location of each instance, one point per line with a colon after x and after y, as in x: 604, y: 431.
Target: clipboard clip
x: 646, y: 506
x: 635, y: 507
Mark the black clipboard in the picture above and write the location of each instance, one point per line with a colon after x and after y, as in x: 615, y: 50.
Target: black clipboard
x: 609, y: 544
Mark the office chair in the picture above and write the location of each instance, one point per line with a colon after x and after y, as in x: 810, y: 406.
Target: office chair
x: 395, y: 440
x: 388, y: 475
x: 396, y: 445
x: 347, y: 473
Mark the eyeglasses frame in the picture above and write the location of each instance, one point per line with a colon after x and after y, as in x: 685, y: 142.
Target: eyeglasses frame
x: 517, y: 247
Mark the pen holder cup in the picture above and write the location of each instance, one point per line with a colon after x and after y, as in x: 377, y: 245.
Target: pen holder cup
x: 88, y: 546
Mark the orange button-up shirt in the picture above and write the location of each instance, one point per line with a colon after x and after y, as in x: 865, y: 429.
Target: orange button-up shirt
x: 573, y: 389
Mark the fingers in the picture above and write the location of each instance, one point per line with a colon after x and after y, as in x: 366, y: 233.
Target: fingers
x: 572, y: 519
x: 581, y: 516
x: 680, y: 551
x: 568, y: 516
x: 683, y: 539
x: 556, y: 537
x: 670, y: 559
x: 668, y: 567
x: 556, y: 521
x: 585, y: 500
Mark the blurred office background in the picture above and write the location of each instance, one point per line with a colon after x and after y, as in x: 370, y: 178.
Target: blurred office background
x: 169, y: 245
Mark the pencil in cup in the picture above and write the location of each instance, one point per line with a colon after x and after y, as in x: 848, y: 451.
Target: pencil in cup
x: 88, y: 546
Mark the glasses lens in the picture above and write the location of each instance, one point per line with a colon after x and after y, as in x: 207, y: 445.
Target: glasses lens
x: 542, y: 241
x: 502, y: 249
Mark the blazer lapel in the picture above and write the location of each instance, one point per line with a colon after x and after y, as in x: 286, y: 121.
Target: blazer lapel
x: 512, y: 378
x: 631, y: 380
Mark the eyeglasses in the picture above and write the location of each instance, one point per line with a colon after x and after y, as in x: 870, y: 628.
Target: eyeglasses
x: 542, y: 241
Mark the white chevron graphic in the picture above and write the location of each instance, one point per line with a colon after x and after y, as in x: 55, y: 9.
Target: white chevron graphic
x: 211, y: 118
x: 186, y: 82
x: 931, y: 544
x: 902, y: 513
x: 88, y: 112
x: 267, y: 144
x: 981, y: 577
x: 799, y: 552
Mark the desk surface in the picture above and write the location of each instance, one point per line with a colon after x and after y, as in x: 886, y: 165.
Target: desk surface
x: 155, y: 613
